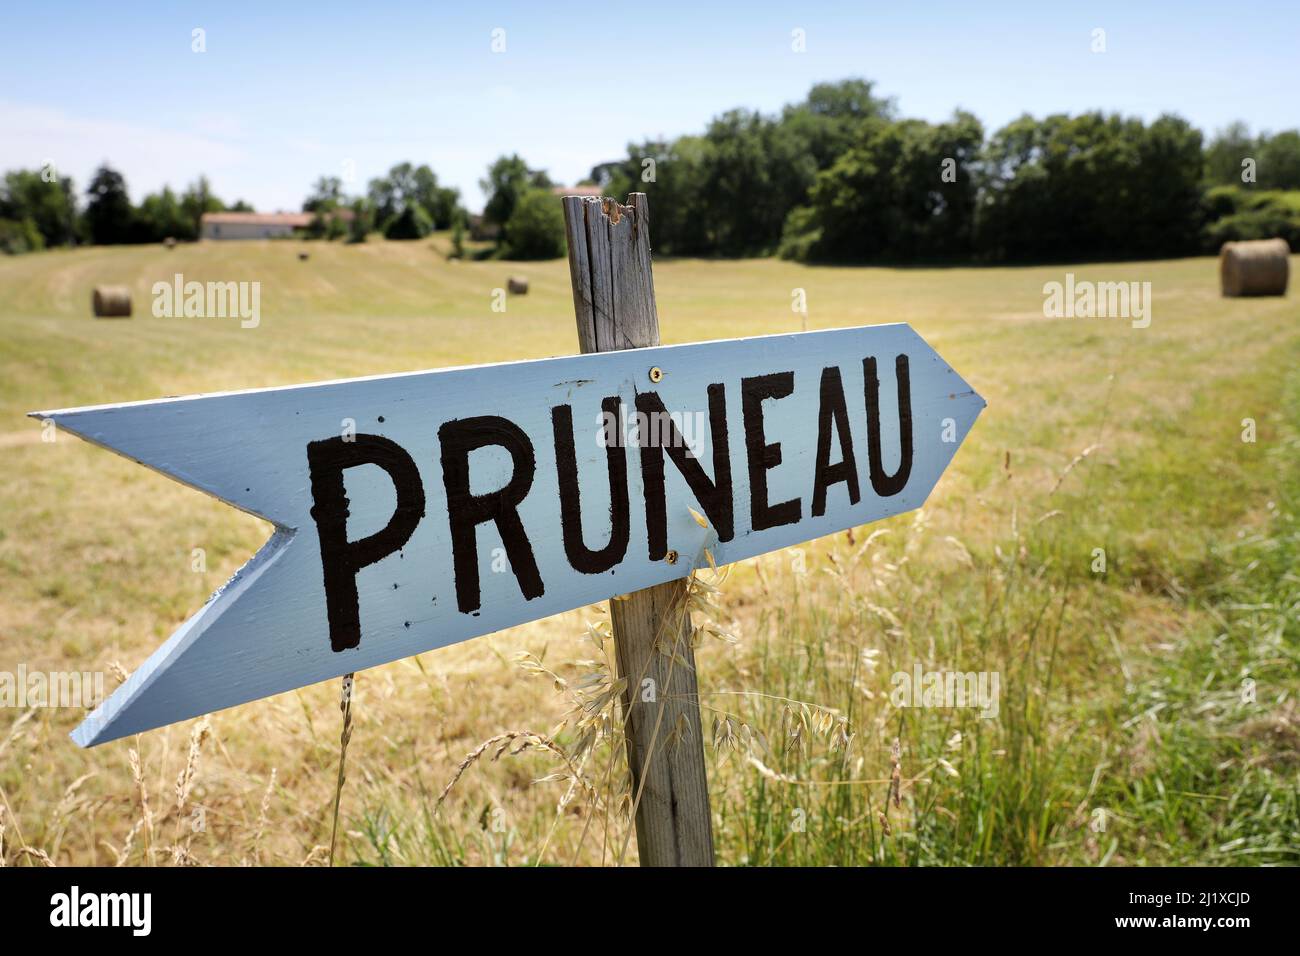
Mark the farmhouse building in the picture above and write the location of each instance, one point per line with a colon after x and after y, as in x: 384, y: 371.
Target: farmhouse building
x: 259, y: 225
x: 252, y: 225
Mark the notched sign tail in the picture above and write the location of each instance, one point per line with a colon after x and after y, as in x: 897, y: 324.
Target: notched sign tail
x: 135, y: 706
x: 176, y: 437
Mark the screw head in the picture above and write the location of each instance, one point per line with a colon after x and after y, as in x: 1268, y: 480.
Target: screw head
x: 656, y: 374
x: 671, y: 557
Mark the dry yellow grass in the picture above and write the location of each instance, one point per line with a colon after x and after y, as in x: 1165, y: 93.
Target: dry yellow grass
x: 96, y: 553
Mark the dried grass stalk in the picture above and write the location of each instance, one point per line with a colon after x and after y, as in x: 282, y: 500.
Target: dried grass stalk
x: 146, y: 816
x: 262, y: 815
x: 345, y: 705
x: 185, y: 781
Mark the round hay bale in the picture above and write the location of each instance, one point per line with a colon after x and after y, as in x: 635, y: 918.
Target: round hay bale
x: 1256, y: 267
x: 170, y: 242
x: 517, y: 285
x: 304, y: 256
x: 111, y: 301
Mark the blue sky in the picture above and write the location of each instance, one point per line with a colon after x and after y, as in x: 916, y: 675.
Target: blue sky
x: 286, y: 93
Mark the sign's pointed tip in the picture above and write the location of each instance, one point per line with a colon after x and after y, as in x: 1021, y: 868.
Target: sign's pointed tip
x: 102, y: 724
x: 84, y: 735
x: 105, y: 723
x: 59, y: 417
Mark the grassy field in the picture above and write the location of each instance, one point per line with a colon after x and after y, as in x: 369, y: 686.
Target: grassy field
x: 1148, y: 712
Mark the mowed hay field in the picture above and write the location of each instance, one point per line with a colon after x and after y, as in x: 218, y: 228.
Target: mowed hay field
x: 1147, y: 712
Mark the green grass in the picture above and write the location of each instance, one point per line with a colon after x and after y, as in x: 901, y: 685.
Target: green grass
x: 1125, y: 735
x: 1108, y: 748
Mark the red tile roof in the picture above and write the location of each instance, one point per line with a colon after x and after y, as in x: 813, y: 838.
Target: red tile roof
x: 296, y: 220
x: 576, y: 191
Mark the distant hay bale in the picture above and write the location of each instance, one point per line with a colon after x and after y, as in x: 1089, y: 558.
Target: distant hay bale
x: 517, y: 285
x: 304, y: 256
x: 112, y: 301
x: 1256, y: 267
x: 170, y: 242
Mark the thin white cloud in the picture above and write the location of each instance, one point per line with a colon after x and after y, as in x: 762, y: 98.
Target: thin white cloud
x: 150, y: 157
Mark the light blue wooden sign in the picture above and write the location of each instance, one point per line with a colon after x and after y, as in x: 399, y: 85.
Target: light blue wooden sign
x: 413, y: 511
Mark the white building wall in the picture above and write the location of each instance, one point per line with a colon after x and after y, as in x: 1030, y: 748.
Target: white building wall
x: 244, y: 230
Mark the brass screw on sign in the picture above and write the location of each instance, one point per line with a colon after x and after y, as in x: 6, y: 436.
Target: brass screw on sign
x: 656, y: 374
x: 671, y: 557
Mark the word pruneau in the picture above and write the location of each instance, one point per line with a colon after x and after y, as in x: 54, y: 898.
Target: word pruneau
x: 859, y: 466
x: 653, y: 429
x: 947, y: 689
x: 74, y: 908
x: 55, y: 689
x: 1098, y: 300
x: 208, y: 300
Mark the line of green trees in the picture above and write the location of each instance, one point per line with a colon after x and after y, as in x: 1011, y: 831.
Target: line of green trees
x: 841, y: 177
x: 406, y: 203
x: 837, y: 177
x: 521, y: 213
x: 39, y: 209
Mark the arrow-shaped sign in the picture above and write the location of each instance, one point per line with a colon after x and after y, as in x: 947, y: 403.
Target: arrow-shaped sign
x: 413, y: 511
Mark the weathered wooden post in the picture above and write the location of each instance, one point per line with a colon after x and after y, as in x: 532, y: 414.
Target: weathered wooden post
x: 614, y: 298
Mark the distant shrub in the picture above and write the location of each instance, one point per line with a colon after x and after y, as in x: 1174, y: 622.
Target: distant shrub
x: 316, y: 228
x: 1236, y: 213
x: 413, y: 223
x: 458, y: 236
x: 535, y: 229
x: 335, y: 228
x: 363, y: 221
x: 801, y: 237
x: 19, y: 236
